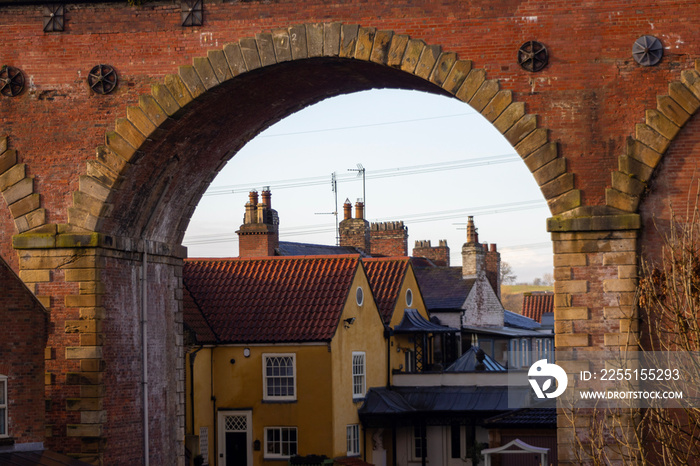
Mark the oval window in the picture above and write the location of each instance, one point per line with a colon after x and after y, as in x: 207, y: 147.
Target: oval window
x: 360, y: 295
x: 409, y: 298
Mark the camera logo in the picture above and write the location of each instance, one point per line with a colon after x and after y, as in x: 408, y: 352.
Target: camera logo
x: 542, y: 375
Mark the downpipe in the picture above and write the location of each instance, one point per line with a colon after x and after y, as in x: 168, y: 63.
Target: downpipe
x: 144, y: 351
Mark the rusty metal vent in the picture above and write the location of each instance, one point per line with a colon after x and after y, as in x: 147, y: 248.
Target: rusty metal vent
x: 533, y: 56
x: 647, y: 50
x: 103, y: 79
x: 54, y: 17
x: 11, y: 81
x: 192, y: 12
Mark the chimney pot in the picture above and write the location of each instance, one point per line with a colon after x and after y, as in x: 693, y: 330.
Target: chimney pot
x: 359, y: 210
x: 347, y: 210
x: 253, y: 198
x: 267, y: 198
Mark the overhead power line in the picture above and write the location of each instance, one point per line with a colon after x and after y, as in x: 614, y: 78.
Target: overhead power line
x: 374, y: 174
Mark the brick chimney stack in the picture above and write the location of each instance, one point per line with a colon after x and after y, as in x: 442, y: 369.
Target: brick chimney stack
x: 439, y: 255
x: 354, y: 231
x: 389, y: 239
x: 473, y: 254
x: 259, y: 234
x: 493, y: 267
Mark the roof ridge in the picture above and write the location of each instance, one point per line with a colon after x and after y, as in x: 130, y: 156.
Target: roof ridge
x: 266, y: 258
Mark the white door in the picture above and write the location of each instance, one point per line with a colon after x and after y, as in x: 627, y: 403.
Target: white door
x: 235, y: 438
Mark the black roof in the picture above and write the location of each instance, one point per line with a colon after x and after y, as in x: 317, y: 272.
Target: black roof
x: 413, y: 322
x: 527, y: 417
x: 289, y: 248
x: 437, y: 404
x: 443, y: 288
x: 38, y: 458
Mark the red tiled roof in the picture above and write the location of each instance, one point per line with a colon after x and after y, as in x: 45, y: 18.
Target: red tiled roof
x: 535, y: 303
x: 195, y: 320
x: 386, y: 275
x: 271, y: 299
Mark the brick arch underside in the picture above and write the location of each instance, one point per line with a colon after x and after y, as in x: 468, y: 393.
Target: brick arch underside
x: 157, y: 163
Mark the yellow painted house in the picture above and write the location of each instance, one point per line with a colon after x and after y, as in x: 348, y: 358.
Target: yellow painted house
x: 284, y: 350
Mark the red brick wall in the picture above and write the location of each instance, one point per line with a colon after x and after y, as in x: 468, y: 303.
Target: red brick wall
x: 24, y: 323
x: 440, y: 255
x: 388, y: 239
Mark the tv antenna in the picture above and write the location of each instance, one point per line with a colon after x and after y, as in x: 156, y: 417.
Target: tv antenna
x: 334, y: 188
x: 360, y: 171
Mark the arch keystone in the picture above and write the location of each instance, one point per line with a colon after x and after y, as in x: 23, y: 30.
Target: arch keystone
x: 314, y: 39
x: 348, y: 40
x: 380, y: 47
x: 297, y: 38
x: 365, y: 40
x: 331, y: 39
x: 412, y: 55
x: 396, y: 50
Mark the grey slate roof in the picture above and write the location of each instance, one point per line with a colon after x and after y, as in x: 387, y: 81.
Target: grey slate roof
x: 443, y: 288
x: 511, y: 319
x: 413, y: 322
x: 527, y: 417
x: 289, y: 248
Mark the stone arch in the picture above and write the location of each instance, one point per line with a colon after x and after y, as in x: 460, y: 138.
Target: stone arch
x: 643, y: 151
x: 18, y: 190
x: 439, y: 71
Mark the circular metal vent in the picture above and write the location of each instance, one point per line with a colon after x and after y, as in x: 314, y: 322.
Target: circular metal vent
x: 11, y: 81
x: 647, y: 50
x: 533, y: 56
x: 103, y: 79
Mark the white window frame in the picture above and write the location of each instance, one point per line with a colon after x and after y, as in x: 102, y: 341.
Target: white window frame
x: 4, y: 428
x: 353, y: 439
x: 268, y: 397
x: 359, y: 377
x: 417, y: 443
x: 279, y: 455
x: 513, y: 353
x: 524, y: 352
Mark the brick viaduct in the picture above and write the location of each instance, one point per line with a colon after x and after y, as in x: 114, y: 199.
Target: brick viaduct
x: 92, y: 181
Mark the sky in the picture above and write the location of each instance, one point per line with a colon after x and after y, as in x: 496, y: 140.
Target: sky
x: 429, y: 160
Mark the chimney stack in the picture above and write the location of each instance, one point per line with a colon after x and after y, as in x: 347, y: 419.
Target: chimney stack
x: 259, y: 234
x: 473, y: 254
x: 354, y: 232
x: 439, y: 255
x: 493, y: 268
x: 389, y: 239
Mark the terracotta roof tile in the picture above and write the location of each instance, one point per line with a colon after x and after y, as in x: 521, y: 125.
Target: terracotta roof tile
x: 271, y: 299
x: 386, y: 275
x: 536, y: 303
x: 195, y: 320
